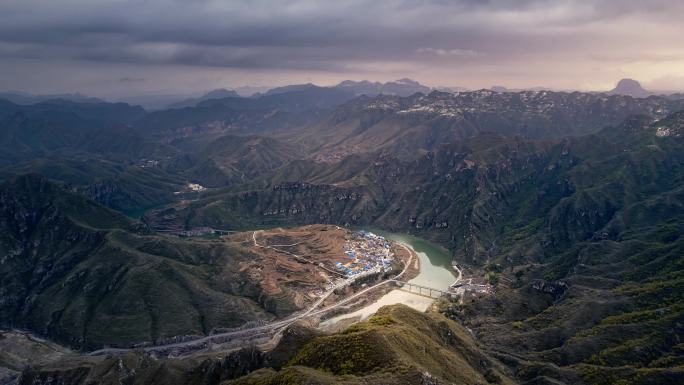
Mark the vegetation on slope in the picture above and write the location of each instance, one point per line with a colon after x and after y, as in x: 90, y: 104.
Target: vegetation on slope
x: 87, y: 276
x: 397, y: 345
x: 572, y: 228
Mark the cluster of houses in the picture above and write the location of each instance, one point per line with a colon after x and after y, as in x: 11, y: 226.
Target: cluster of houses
x: 365, y: 252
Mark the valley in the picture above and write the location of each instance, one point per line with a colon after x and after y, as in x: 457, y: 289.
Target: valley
x: 298, y: 192
x: 343, y: 295
x: 325, y: 243
x: 538, y: 231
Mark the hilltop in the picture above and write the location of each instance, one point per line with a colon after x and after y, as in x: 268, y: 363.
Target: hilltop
x: 214, y: 94
x: 629, y: 87
x: 398, y: 345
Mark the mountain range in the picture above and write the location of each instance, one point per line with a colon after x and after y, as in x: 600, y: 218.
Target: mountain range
x: 570, y: 204
x: 25, y: 98
x: 401, y: 87
x: 215, y: 94
x: 84, y: 275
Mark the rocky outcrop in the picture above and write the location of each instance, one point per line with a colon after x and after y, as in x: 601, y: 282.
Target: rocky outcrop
x: 555, y: 288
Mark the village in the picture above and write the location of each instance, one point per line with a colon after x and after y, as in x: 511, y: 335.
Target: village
x: 365, y: 252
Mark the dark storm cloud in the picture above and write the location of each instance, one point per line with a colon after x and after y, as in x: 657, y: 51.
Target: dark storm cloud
x: 333, y: 36
x: 292, y: 34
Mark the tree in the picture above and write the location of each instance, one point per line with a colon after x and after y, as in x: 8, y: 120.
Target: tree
x: 492, y: 278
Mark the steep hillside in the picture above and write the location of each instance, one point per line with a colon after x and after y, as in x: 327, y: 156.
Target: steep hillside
x: 30, y: 360
x: 412, y: 125
x: 603, y: 299
x: 305, y: 98
x: 397, y: 345
x: 577, y: 224
x: 582, y: 234
x: 87, y: 276
x: 231, y: 159
x: 100, y: 112
x: 68, y: 128
x: 215, y: 94
x: 474, y: 194
x: 128, y: 188
x: 277, y: 111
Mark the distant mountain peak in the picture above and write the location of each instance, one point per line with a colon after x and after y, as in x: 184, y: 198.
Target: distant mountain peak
x: 353, y: 83
x: 24, y: 98
x: 288, y: 88
x: 629, y: 87
x: 220, y: 93
x: 407, y: 81
x: 401, y: 87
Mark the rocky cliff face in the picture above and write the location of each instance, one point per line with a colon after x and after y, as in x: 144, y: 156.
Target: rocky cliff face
x: 291, y: 202
x: 483, y: 196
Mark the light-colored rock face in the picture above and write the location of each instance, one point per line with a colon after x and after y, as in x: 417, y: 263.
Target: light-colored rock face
x: 672, y: 126
x: 540, y: 104
x: 664, y: 132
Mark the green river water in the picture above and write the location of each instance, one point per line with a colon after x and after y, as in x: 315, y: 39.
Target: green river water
x: 435, y: 272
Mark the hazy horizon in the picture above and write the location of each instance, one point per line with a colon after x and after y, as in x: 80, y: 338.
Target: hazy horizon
x: 247, y: 91
x: 121, y: 48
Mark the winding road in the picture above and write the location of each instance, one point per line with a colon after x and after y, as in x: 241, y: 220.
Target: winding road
x: 272, y: 327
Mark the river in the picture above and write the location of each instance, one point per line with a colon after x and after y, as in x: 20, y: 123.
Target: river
x: 435, y: 271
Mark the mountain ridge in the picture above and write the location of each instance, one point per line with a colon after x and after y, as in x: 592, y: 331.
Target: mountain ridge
x: 86, y: 276
x: 213, y: 94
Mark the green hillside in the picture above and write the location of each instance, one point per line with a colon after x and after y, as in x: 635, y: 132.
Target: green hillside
x: 577, y: 223
x: 87, y: 276
x: 397, y: 345
x: 583, y: 234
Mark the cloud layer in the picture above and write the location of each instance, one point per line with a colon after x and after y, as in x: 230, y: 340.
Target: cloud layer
x: 180, y: 44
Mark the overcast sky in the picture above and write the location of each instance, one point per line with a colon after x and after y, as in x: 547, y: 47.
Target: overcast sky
x: 119, y: 47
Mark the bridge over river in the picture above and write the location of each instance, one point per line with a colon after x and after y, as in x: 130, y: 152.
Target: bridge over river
x: 434, y: 265
x: 422, y: 290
